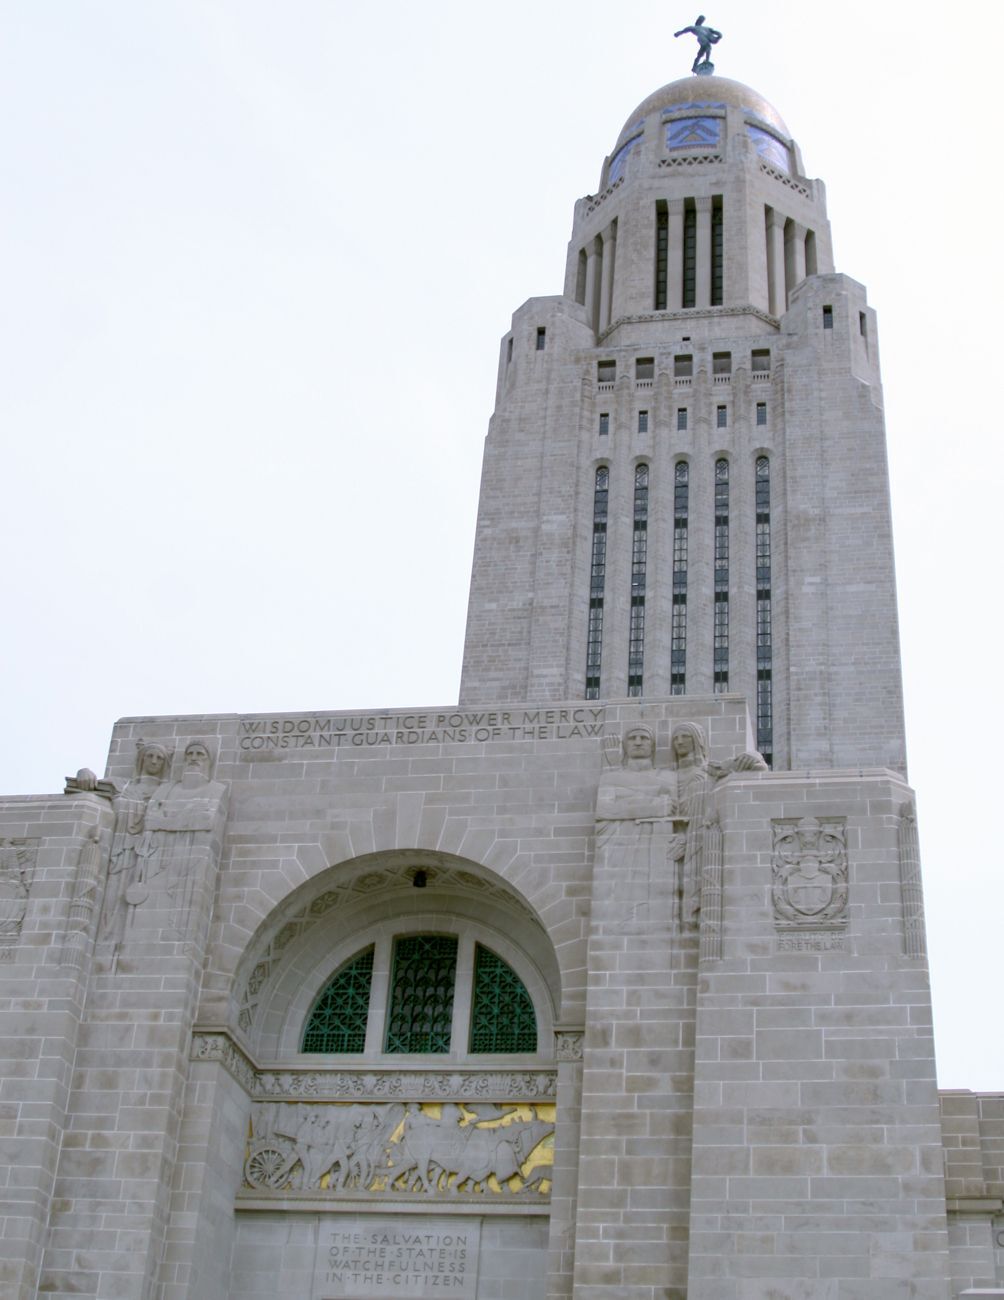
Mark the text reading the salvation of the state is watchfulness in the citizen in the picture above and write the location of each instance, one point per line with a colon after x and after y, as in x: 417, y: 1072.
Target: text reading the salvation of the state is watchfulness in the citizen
x: 424, y: 1259
x: 368, y: 730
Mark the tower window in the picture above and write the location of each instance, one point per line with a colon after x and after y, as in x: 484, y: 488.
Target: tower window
x: 863, y: 324
x: 764, y: 640
x: 761, y: 413
x: 606, y: 372
x: 597, y: 583
x: 541, y: 337
x: 720, y: 649
x: 604, y: 423
x: 423, y: 976
x: 683, y: 365
x: 681, y: 419
x: 644, y: 369
x: 678, y: 629
x: 721, y: 364
x: 827, y: 318
x: 689, y: 254
x: 639, y: 564
x: 760, y: 361
x: 717, y: 253
x: 643, y: 421
x: 508, y: 350
x: 661, y: 254
x: 722, y: 414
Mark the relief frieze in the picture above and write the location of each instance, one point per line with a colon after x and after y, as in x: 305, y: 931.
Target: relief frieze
x: 394, y: 1150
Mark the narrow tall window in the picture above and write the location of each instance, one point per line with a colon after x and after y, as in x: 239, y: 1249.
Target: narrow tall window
x: 827, y: 318
x: 678, y: 631
x: 661, y: 254
x: 681, y: 419
x: 639, y: 562
x: 421, y: 993
x: 722, y: 415
x: 643, y: 421
x: 761, y: 413
x: 689, y: 254
x: 717, y: 253
x: 721, y: 629
x: 764, y: 642
x: 604, y: 423
x: 597, y: 583
x: 541, y: 338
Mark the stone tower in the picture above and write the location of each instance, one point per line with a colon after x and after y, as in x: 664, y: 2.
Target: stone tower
x: 561, y: 993
x: 685, y: 486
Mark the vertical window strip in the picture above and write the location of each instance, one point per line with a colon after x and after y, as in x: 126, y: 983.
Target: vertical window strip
x: 597, y: 583
x: 661, y: 255
x: 721, y: 627
x: 689, y: 255
x: 423, y: 976
x: 678, y: 629
x: 639, y: 562
x: 764, y: 642
x: 717, y: 253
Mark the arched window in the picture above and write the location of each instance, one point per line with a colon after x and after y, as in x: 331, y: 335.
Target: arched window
x: 426, y: 971
x: 337, y: 1021
x: 502, y: 1015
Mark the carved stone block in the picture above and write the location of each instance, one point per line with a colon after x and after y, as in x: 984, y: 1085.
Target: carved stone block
x: 394, y: 1150
x: 809, y: 888
x: 17, y: 870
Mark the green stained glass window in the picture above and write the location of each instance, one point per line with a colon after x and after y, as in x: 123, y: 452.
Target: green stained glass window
x: 338, y: 1021
x: 421, y: 993
x: 502, y: 1018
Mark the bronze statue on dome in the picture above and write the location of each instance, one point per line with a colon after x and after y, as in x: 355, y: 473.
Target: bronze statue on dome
x: 706, y: 37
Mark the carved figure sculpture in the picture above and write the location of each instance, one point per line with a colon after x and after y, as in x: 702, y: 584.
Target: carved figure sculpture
x: 17, y: 862
x: 401, y: 1149
x: 180, y: 822
x: 433, y: 1149
x: 706, y: 37
x: 635, y: 807
x: 131, y: 845
x: 696, y: 777
x: 649, y: 816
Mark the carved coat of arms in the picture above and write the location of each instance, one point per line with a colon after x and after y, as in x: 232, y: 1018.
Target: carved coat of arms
x: 810, y: 874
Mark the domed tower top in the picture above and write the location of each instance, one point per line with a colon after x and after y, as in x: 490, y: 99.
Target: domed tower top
x: 708, y: 93
x: 703, y: 203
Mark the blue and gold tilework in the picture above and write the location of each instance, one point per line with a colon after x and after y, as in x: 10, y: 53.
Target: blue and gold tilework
x: 770, y: 148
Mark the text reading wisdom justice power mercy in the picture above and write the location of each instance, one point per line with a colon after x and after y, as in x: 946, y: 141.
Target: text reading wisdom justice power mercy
x: 372, y: 729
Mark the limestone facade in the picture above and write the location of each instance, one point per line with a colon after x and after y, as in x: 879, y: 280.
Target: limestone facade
x: 605, y: 1005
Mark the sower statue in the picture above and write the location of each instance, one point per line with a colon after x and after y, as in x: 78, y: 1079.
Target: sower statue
x: 706, y: 37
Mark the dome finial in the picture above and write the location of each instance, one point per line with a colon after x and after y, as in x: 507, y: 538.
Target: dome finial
x: 706, y: 37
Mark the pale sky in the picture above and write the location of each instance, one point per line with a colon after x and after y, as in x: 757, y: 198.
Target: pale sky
x: 256, y: 261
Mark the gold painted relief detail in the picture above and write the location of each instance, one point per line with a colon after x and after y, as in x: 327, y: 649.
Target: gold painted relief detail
x: 442, y: 1149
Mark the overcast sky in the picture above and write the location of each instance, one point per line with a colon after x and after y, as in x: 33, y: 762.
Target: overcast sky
x: 257, y: 258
